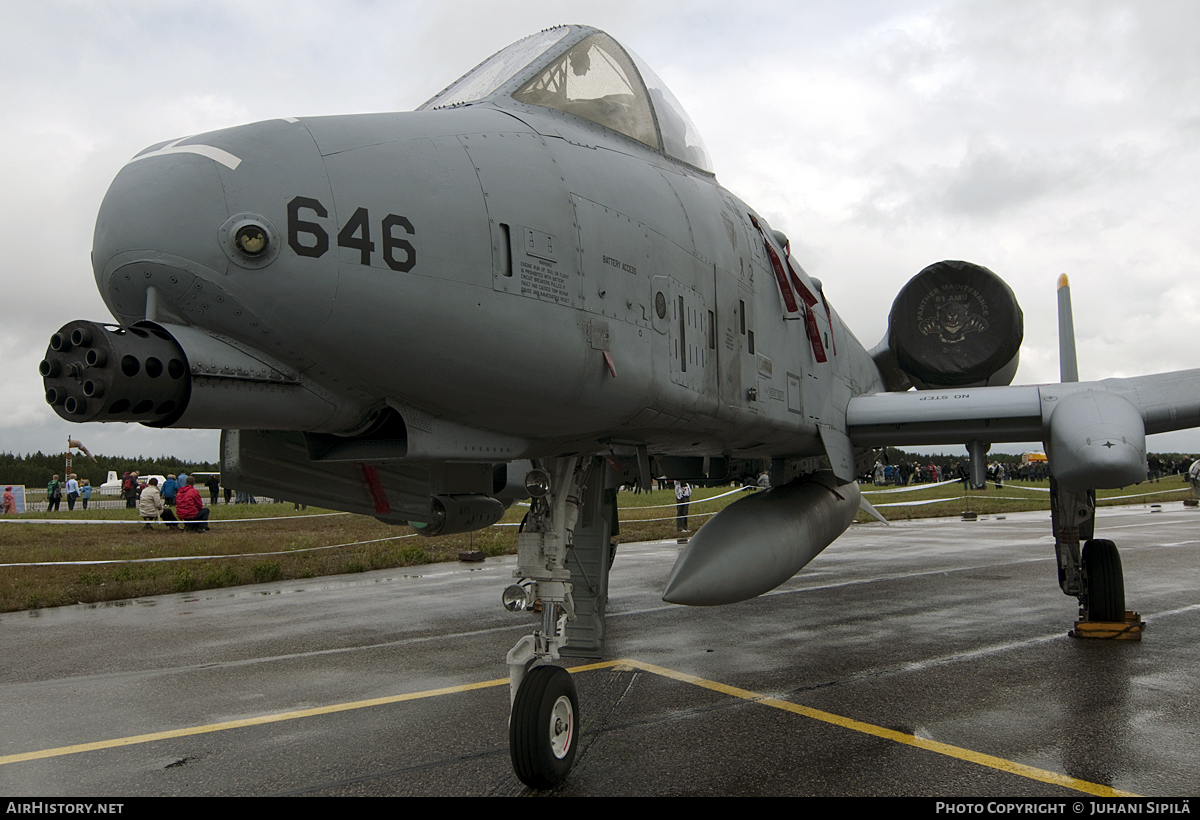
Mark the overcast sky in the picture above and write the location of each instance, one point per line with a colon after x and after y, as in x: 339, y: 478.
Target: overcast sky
x: 1034, y: 138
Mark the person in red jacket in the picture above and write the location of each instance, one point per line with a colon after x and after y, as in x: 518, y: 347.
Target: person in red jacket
x: 189, y: 507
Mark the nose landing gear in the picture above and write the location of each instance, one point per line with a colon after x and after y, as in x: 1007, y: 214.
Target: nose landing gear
x: 543, y: 728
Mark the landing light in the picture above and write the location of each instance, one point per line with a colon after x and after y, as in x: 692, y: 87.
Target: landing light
x: 516, y: 598
x: 537, y: 483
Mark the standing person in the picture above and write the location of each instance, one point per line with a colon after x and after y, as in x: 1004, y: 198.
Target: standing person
x: 53, y: 494
x: 214, y: 487
x: 10, y: 501
x: 190, y: 507
x: 85, y: 492
x: 72, y: 491
x: 228, y: 494
x: 169, y: 488
x: 129, y: 489
x: 683, y: 496
x: 150, y: 503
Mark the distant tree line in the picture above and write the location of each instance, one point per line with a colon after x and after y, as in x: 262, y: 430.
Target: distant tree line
x: 35, y: 469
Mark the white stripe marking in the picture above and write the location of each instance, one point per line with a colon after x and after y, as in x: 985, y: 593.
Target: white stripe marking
x: 216, y: 154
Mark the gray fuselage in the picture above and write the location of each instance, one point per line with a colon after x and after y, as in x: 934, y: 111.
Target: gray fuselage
x: 521, y: 254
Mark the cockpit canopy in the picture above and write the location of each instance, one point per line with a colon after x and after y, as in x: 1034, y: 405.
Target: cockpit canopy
x: 583, y: 71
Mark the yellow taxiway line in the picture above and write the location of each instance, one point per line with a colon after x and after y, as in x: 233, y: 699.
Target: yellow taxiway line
x: 1019, y: 769
x: 957, y: 752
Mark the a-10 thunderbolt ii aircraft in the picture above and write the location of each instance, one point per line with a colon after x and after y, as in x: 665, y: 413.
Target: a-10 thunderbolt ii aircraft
x: 534, y: 287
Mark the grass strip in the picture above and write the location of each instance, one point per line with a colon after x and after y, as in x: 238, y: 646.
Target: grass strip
x: 279, y: 544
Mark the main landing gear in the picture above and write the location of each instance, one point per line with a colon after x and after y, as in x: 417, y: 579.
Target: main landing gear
x: 1105, y: 581
x: 1092, y: 575
x: 544, y: 726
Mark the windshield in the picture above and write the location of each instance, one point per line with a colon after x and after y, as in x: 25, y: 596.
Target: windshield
x: 489, y: 75
x: 596, y: 80
x: 589, y: 74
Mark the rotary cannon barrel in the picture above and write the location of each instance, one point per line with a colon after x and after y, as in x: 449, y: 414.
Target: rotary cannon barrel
x: 95, y: 372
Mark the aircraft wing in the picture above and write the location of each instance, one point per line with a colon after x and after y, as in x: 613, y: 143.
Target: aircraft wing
x: 1094, y: 431
x: 946, y: 416
x: 1165, y: 402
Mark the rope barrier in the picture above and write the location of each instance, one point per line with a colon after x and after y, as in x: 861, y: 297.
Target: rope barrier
x: 1020, y: 498
x: 156, y: 521
x: 203, y: 557
x: 698, y: 501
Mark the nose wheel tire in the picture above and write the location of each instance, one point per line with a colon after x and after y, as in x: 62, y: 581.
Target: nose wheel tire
x: 543, y: 729
x: 1105, y: 581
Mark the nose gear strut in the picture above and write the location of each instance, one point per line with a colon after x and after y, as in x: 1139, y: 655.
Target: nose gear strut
x: 544, y: 721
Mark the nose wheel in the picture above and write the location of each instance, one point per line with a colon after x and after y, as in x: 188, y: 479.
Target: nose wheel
x: 543, y: 730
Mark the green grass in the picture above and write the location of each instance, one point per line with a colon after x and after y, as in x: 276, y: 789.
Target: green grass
x: 314, y: 543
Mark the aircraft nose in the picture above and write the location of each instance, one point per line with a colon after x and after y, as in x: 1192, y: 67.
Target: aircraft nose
x: 198, y: 213
x: 159, y: 216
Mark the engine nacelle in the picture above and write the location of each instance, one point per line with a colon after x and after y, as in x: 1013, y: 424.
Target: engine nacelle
x: 955, y: 324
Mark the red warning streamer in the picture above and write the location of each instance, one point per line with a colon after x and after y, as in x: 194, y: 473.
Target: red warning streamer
x: 789, y: 298
x: 810, y: 321
x: 375, y: 486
